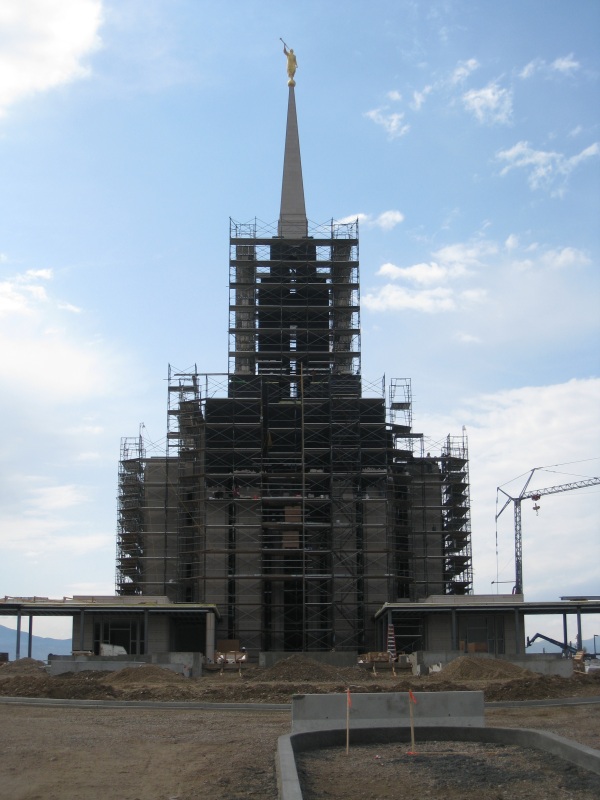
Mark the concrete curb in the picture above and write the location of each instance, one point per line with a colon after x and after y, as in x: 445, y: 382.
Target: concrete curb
x: 548, y: 702
x: 176, y: 705
x: 287, y: 746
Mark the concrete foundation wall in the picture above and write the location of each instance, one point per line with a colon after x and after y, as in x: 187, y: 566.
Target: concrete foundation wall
x: 311, y: 712
x: 543, y: 663
x: 186, y: 664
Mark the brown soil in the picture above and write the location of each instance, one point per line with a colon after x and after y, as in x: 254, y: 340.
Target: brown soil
x: 473, y: 668
x: 298, y: 674
x: 448, y: 770
x: 151, y: 754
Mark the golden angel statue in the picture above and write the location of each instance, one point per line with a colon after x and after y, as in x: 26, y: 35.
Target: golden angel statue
x: 292, y: 64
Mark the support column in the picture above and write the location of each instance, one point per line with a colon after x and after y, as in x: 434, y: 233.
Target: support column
x: 565, y: 633
x: 18, y: 648
x: 454, y: 642
x: 30, y: 637
x: 579, y: 639
x: 82, y: 629
x: 517, y: 633
x: 209, y: 647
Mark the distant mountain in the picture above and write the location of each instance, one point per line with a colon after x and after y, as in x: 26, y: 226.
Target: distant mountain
x: 40, y: 645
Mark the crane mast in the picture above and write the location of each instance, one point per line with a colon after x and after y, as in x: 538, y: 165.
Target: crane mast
x: 533, y: 495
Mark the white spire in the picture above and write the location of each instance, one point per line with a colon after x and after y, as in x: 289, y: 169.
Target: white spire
x: 292, y: 214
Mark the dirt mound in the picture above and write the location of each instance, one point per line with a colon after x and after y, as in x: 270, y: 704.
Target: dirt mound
x: 148, y: 674
x: 88, y: 675
x: 26, y: 686
x: 542, y: 687
x: 23, y: 666
x: 301, y: 669
x: 472, y: 668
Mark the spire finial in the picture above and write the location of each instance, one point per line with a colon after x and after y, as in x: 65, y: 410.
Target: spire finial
x: 292, y: 64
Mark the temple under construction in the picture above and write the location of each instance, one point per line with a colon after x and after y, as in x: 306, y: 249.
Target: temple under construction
x: 292, y: 495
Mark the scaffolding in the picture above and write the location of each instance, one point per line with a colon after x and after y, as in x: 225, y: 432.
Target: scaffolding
x: 294, y: 494
x: 293, y: 303
x: 456, y: 516
x: 146, y: 535
x: 431, y: 511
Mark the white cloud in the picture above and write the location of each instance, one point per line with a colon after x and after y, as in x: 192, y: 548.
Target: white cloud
x: 424, y: 274
x: 394, y: 95
x: 564, y: 258
x: 89, y: 456
x: 463, y: 70
x: 544, y: 167
x: 53, y: 498
x: 467, y: 338
x: 45, y: 44
x: 86, y: 428
x: 471, y: 296
x: 43, y: 274
x: 392, y: 122
x: 567, y: 65
x: 69, y: 307
x: 39, y: 353
x: 588, y: 152
x: 451, y: 263
x: 396, y: 298
x: 18, y: 292
x: 471, y: 276
x: 460, y: 255
x: 509, y: 433
x: 362, y: 218
x: 492, y: 104
x: 420, y: 97
x: 531, y: 68
x: 387, y: 220
x: 460, y: 74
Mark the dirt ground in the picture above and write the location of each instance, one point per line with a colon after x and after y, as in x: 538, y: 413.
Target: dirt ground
x: 171, y: 754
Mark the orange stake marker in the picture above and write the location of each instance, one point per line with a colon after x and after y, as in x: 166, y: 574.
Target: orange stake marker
x: 412, y: 701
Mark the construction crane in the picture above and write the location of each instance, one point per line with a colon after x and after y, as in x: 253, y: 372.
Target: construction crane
x: 535, y: 496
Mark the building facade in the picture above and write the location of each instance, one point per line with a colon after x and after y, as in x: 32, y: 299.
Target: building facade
x: 292, y: 495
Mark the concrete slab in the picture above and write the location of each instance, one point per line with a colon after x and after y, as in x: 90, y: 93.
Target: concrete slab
x: 314, y: 712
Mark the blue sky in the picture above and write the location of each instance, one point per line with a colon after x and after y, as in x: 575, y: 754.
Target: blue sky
x: 465, y: 137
